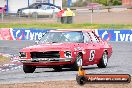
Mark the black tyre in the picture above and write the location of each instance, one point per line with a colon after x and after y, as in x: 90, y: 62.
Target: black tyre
x: 104, y: 60
x: 57, y: 68
x: 28, y: 69
x: 81, y: 80
x: 77, y: 63
x: 18, y: 14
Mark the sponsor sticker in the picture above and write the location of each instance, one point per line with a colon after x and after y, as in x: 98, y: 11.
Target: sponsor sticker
x: 83, y: 78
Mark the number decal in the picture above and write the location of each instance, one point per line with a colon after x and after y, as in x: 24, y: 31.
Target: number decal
x: 92, y: 53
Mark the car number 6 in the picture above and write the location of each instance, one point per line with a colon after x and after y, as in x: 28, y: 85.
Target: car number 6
x: 92, y: 53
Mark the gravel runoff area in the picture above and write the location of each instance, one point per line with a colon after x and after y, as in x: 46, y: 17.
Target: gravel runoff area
x: 64, y: 84
x: 118, y: 67
x: 82, y: 16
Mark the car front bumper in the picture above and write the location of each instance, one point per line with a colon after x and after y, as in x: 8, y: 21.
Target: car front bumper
x: 46, y: 61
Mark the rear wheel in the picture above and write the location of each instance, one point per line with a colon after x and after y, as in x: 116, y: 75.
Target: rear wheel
x: 18, y: 13
x: 104, y: 60
x: 78, y: 62
x: 28, y: 69
x: 57, y: 68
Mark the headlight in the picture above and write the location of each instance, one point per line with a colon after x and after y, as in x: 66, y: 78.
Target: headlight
x: 22, y: 54
x: 67, y: 54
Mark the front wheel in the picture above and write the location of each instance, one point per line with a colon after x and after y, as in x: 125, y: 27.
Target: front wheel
x: 78, y: 62
x: 104, y: 60
x: 28, y: 69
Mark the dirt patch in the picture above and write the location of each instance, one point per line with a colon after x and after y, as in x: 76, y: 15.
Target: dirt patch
x: 119, y: 17
x: 64, y: 84
x: 4, y: 60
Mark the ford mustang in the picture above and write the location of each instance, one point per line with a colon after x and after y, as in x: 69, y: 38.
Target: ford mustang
x: 66, y: 49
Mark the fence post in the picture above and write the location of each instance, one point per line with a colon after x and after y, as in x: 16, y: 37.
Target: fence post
x: 2, y: 14
x: 91, y: 21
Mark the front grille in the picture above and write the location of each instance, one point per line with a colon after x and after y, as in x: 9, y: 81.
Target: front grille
x: 49, y: 54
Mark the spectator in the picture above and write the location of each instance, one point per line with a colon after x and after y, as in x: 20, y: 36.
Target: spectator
x: 69, y: 12
x: 59, y: 15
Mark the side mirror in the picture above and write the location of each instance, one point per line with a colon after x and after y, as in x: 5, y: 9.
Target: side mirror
x: 36, y: 42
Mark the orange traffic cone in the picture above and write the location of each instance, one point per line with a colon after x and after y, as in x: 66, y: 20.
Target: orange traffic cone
x: 81, y: 71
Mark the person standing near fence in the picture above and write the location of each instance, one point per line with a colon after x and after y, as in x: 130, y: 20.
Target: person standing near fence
x: 65, y: 16
x: 69, y: 15
x: 59, y: 16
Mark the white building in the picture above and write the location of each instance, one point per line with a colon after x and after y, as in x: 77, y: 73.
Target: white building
x: 14, y: 5
x: 73, y: 1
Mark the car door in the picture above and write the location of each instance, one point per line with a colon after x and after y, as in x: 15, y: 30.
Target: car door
x: 42, y: 10
x: 34, y: 9
x: 93, y: 49
x: 90, y: 50
x: 87, y: 47
x: 47, y: 11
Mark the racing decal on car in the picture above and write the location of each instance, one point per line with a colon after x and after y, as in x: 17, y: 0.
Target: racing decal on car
x: 92, y: 54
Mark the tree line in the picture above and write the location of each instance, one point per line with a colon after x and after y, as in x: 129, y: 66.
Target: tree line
x: 86, y: 2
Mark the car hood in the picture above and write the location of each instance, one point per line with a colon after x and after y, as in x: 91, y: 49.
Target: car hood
x: 51, y: 47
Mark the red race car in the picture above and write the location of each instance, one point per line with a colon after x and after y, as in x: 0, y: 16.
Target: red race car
x: 71, y: 49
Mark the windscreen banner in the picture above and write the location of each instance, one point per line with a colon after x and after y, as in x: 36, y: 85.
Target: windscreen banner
x: 36, y: 34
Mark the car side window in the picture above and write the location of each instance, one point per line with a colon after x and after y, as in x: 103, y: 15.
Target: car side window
x: 39, y: 6
x: 48, y: 7
x: 97, y: 38
x: 86, y: 38
x: 94, y: 38
x: 43, y: 7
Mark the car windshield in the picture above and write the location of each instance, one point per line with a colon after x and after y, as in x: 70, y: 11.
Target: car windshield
x: 33, y: 5
x: 62, y: 37
x: 46, y: 4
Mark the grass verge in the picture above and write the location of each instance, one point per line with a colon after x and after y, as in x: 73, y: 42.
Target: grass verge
x: 65, y: 26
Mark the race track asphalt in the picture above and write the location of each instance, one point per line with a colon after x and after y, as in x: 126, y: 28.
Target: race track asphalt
x: 119, y: 63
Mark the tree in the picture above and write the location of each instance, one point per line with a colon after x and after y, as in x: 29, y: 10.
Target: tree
x: 108, y: 2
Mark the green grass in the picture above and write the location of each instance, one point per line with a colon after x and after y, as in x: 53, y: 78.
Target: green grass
x: 65, y: 26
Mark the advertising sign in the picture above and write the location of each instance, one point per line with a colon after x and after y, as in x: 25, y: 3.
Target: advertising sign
x: 36, y: 34
x: 27, y: 34
x: 116, y: 35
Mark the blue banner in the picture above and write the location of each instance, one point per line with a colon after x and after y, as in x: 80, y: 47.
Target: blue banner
x: 27, y: 34
x: 116, y: 35
x: 36, y: 34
